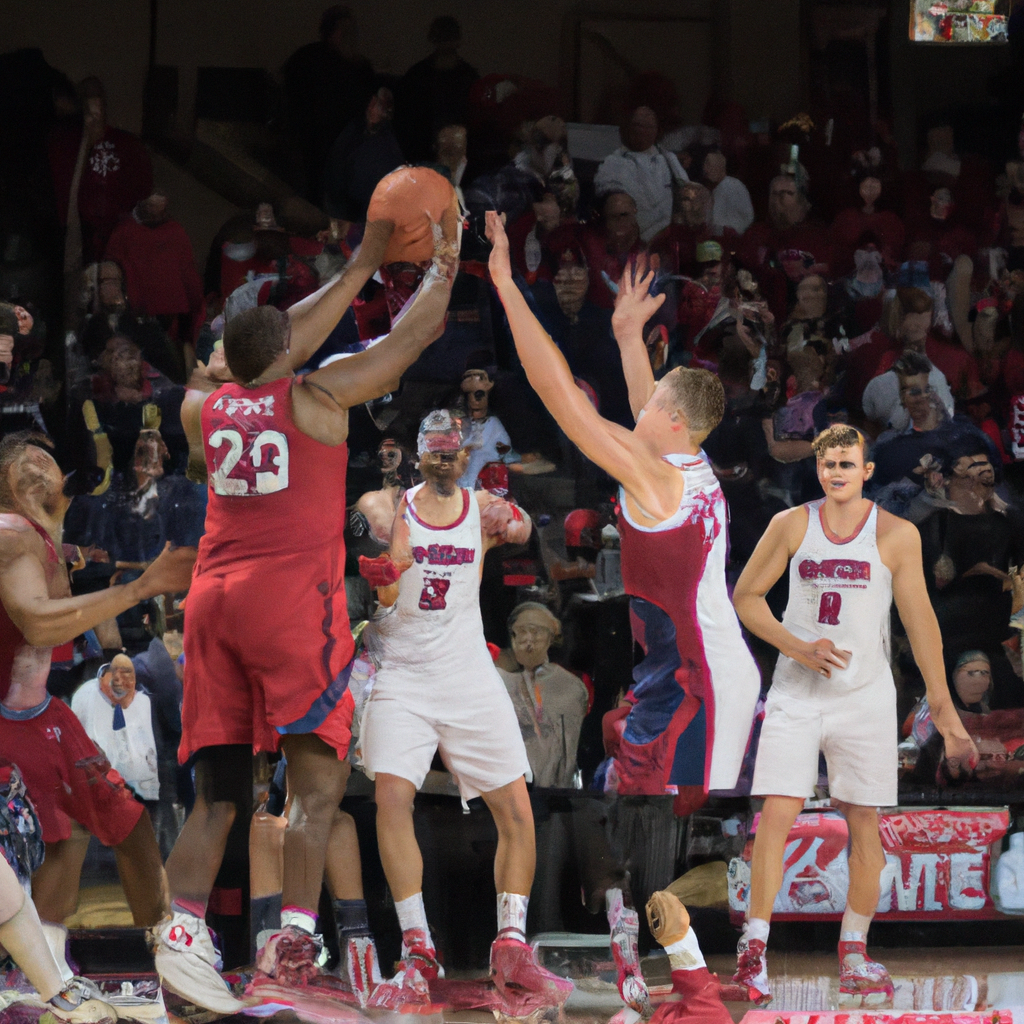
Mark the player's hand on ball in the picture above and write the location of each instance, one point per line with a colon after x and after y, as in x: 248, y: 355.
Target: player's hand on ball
x: 380, y: 571
x: 667, y: 918
x: 499, y: 263
x: 171, y: 572
x: 822, y: 656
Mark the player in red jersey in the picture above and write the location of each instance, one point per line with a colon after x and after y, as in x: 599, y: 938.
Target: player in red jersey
x: 67, y: 778
x: 268, y: 649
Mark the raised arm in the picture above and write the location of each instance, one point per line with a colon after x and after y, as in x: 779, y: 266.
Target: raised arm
x: 918, y: 617
x: 610, y: 446
x: 634, y: 307
x: 191, y: 420
x: 378, y: 370
x: 762, y: 572
x: 315, y: 316
x: 47, y: 622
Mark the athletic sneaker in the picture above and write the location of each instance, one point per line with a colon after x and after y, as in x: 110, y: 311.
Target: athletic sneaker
x: 632, y: 987
x: 699, y: 1002
x: 80, y: 1001
x: 410, y: 987
x: 361, y: 968
x: 752, y: 970
x: 289, y: 957
x: 862, y: 981
x: 523, y: 986
x: 188, y: 963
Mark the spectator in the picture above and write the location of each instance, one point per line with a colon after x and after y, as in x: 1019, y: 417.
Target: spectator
x: 788, y: 246
x: 852, y: 226
x: 484, y: 437
x: 731, y: 205
x: 160, y: 275
x: 117, y: 173
x: 362, y: 154
x: 643, y: 170
x: 970, y: 688
x: 909, y: 318
x: 434, y: 92
x: 327, y: 84
x: 608, y: 248
x: 691, y: 224
x: 118, y: 718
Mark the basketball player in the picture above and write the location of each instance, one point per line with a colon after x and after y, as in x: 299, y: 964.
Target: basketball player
x: 67, y: 778
x: 267, y: 641
x: 833, y: 692
x: 697, y: 686
x: 437, y: 689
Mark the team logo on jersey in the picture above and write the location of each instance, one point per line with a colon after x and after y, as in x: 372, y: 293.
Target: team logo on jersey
x: 432, y: 597
x: 236, y: 405
x: 53, y: 732
x: 834, y: 569
x: 443, y: 554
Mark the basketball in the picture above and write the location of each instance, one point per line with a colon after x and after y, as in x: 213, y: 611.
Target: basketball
x: 406, y: 196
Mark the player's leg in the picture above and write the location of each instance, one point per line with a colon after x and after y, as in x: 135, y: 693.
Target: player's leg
x: 21, y: 935
x: 344, y: 877
x: 316, y: 780
x: 521, y: 982
x: 862, y: 981
x: 141, y: 870
x: 55, y: 890
x: 777, y: 817
x: 185, y: 956
x: 403, y: 866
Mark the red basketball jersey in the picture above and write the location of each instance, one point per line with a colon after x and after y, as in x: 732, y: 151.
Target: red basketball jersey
x: 273, y: 491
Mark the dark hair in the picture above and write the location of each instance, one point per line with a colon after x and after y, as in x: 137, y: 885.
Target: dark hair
x: 253, y: 340
x: 602, y: 200
x: 8, y: 319
x: 332, y: 18
x: 912, y: 364
x: 444, y: 29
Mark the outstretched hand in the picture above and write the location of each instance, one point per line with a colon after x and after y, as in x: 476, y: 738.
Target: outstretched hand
x: 447, y: 240
x: 634, y: 304
x: 170, y: 572
x: 499, y: 264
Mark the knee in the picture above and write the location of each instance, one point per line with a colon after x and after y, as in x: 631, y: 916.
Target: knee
x: 393, y: 801
x: 313, y: 807
x: 514, y: 818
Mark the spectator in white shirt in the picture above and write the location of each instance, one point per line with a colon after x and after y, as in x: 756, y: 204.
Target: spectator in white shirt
x: 643, y: 169
x: 118, y: 718
x: 730, y: 201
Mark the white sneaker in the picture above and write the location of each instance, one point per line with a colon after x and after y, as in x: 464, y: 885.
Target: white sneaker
x: 81, y: 1002
x: 188, y: 963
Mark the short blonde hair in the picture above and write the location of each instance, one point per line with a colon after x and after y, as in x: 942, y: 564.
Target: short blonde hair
x: 698, y: 396
x: 839, y: 435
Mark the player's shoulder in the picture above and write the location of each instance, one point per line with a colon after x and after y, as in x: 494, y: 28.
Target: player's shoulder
x: 17, y: 536
x: 893, y: 526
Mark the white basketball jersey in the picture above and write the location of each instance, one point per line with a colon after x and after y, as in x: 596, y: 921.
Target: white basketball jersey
x: 842, y: 592
x: 437, y: 615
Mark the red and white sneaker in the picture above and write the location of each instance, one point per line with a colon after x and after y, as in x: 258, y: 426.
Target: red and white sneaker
x: 632, y: 987
x: 361, y: 967
x: 188, y: 963
x: 409, y: 989
x: 699, y: 1000
x: 862, y: 981
x: 289, y: 957
x: 752, y: 970
x: 522, y: 985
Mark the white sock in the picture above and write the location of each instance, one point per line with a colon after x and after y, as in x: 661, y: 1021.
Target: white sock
x: 512, y: 915
x: 855, y: 926
x: 756, y: 928
x: 304, y: 920
x: 685, y: 955
x: 412, y: 914
x: 56, y: 939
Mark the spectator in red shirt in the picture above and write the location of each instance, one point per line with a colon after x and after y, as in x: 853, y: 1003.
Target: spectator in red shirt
x: 851, y: 224
x: 160, y: 275
x: 607, y: 249
x: 116, y: 175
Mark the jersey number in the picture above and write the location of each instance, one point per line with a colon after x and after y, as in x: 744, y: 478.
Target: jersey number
x: 432, y: 597
x: 272, y: 479
x: 828, y: 609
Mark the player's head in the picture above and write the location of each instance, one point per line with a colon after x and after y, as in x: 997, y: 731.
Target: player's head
x: 29, y: 475
x: 440, y: 448
x: 691, y: 398
x: 843, y: 465
x: 253, y: 339
x: 533, y: 628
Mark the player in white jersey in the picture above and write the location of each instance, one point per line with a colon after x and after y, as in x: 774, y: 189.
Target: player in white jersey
x: 436, y: 688
x: 833, y: 692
